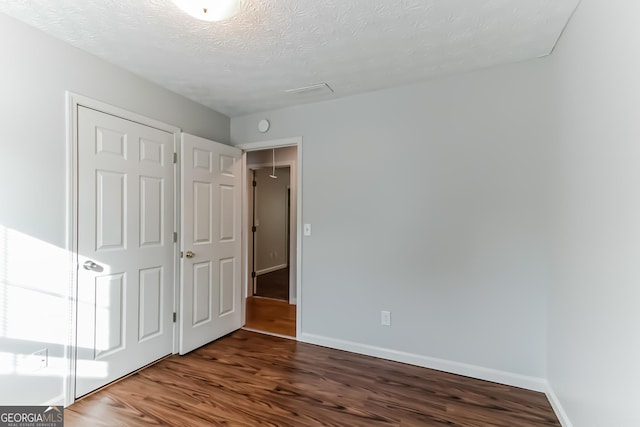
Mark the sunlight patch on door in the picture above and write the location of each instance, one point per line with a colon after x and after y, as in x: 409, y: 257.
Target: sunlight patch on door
x: 109, y: 309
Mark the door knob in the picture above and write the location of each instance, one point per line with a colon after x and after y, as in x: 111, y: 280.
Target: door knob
x: 189, y: 254
x: 92, y: 266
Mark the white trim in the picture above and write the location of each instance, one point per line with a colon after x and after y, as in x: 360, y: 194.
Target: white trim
x: 262, y: 145
x: 71, y: 247
x: 473, y: 371
x: 56, y: 401
x: 177, y: 216
x: 274, y: 143
x: 244, y: 258
x: 557, y: 407
x: 94, y: 104
x: 271, y: 269
x: 73, y: 101
x: 293, y: 171
x: 271, y: 334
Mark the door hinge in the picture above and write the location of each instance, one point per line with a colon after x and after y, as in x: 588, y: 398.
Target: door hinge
x: 253, y: 229
x: 175, y: 317
x: 175, y: 237
x: 175, y: 157
x: 253, y: 274
x: 254, y: 183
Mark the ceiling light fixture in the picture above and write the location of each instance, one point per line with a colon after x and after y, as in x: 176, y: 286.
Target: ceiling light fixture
x: 209, y: 10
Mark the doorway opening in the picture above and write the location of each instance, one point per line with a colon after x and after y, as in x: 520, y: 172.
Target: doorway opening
x: 271, y: 195
x: 271, y: 304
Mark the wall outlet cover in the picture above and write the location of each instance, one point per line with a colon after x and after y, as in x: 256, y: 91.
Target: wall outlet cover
x: 385, y: 318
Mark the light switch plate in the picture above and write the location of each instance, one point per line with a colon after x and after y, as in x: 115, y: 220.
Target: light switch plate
x: 385, y: 318
x: 307, y: 229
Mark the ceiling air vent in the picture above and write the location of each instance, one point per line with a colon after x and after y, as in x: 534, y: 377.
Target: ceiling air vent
x: 320, y: 88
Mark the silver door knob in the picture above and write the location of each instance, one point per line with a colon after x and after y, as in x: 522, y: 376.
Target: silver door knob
x: 92, y: 266
x: 189, y: 254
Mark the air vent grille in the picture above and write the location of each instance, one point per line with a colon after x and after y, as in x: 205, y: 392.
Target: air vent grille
x: 317, y: 88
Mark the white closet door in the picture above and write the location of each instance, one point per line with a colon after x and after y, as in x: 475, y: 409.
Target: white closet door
x: 125, y: 247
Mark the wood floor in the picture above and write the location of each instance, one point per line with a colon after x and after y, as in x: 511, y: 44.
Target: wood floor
x: 270, y: 315
x: 274, y: 284
x: 249, y: 379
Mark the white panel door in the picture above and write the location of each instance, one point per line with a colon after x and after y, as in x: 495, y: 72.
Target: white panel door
x: 125, y: 247
x: 211, y: 293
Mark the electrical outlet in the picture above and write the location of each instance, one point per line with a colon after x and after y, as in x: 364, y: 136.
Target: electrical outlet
x: 385, y: 318
x: 41, y: 358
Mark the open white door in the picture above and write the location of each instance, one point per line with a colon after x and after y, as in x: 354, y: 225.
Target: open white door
x: 210, y: 289
x: 125, y: 247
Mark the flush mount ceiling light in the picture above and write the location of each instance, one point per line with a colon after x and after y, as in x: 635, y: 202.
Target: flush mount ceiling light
x: 209, y: 10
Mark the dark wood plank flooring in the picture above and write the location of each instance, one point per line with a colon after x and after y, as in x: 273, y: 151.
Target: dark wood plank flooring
x: 270, y: 315
x: 274, y: 284
x: 249, y: 379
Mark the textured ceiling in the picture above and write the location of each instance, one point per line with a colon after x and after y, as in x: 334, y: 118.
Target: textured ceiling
x: 245, y: 64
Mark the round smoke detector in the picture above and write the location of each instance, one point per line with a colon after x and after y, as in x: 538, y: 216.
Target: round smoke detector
x: 263, y: 125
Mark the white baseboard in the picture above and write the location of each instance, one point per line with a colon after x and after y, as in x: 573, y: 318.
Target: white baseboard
x: 56, y: 401
x: 271, y: 269
x: 293, y: 301
x: 272, y: 334
x: 557, y: 407
x: 473, y: 371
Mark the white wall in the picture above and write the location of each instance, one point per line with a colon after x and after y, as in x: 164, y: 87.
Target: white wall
x: 594, y: 345
x: 34, y: 278
x: 429, y: 201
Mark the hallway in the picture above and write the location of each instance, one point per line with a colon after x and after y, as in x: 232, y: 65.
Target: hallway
x: 271, y: 315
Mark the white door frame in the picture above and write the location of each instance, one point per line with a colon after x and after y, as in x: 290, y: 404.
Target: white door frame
x: 73, y: 101
x: 265, y: 145
x: 292, y: 170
